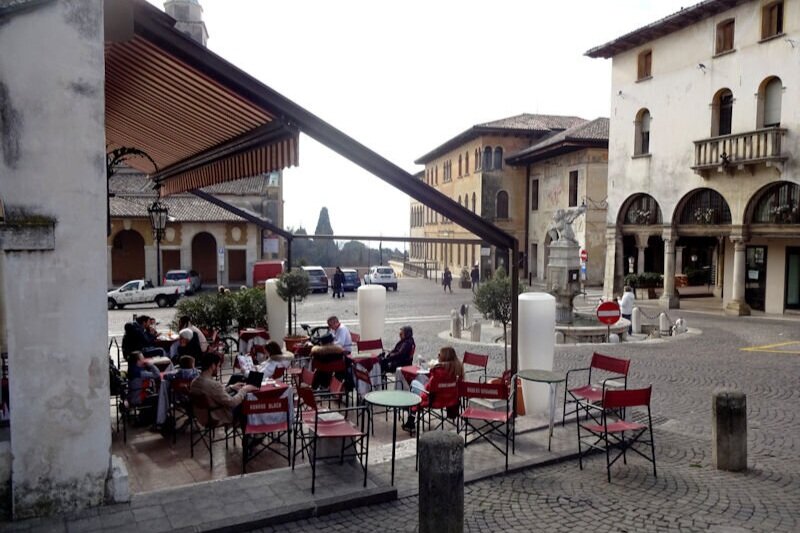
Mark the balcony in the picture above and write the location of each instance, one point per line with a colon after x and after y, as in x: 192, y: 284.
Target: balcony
x: 729, y: 153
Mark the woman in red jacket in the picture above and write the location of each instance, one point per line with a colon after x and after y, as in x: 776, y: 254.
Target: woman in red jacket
x: 447, y: 368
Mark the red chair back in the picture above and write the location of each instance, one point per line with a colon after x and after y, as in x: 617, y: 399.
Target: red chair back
x: 265, y: 405
x: 279, y: 372
x: 307, y: 398
x: 355, y: 337
x: 369, y: 345
x: 476, y: 359
x: 444, y: 393
x: 615, y: 365
x: 336, y: 386
x: 616, y: 399
x: 307, y: 378
x: 491, y: 391
x: 336, y: 365
x: 362, y: 375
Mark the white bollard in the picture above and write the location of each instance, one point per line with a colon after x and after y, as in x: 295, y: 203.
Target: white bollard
x: 613, y: 338
x: 475, y: 332
x: 537, y: 324
x: 636, y: 320
x: 664, y: 325
x: 455, y: 324
x: 277, y: 312
x: 371, y: 311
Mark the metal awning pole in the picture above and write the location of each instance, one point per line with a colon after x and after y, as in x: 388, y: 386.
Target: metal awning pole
x: 514, y: 309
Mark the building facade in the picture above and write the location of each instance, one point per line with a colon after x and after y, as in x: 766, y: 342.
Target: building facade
x: 200, y: 236
x: 703, y: 153
x: 564, y: 171
x: 471, y: 169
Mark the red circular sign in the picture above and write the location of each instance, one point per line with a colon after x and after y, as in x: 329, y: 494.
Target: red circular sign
x: 608, y: 313
x: 584, y: 255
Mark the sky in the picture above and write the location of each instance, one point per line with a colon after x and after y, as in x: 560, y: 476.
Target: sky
x: 404, y: 77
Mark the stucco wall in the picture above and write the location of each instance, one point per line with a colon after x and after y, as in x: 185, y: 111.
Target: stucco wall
x: 53, y: 164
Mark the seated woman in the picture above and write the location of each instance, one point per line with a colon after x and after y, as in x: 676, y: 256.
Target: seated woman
x: 447, y: 368
x: 403, y: 352
x: 143, y: 378
x: 276, y: 359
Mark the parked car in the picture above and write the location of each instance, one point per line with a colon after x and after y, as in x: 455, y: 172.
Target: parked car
x: 188, y: 279
x: 264, y: 270
x: 351, y: 280
x: 382, y: 275
x: 317, y: 278
x: 140, y: 291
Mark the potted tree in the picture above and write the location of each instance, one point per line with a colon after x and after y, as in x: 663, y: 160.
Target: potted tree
x: 292, y: 287
x: 493, y: 300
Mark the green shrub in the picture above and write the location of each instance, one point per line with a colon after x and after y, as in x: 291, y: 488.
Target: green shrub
x: 245, y: 308
x: 646, y: 280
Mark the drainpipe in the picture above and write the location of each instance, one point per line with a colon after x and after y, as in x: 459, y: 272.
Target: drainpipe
x: 289, y: 266
x: 527, y: 219
x: 514, y: 315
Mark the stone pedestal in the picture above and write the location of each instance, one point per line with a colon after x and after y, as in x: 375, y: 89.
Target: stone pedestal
x: 729, y: 430
x: 563, y: 280
x: 441, y: 482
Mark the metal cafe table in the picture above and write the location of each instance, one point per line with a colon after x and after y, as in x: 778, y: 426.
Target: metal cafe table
x: 394, y: 400
x: 552, y: 378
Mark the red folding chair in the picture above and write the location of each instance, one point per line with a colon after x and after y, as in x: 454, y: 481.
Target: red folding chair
x: 274, y: 431
x: 591, y: 394
x: 178, y: 402
x: 483, y: 422
x: 314, y: 424
x: 368, y: 345
x: 478, y: 360
x: 332, y: 366
x: 442, y: 401
x: 610, y: 432
x: 355, y: 337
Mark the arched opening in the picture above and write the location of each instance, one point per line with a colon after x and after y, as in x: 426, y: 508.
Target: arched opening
x: 487, y: 158
x: 204, y: 257
x: 501, y: 211
x: 642, y: 140
x: 703, y: 207
x: 640, y: 210
x: 127, y: 257
x: 498, y: 158
x: 640, y: 222
x: 722, y: 113
x: 770, y: 93
x: 778, y: 203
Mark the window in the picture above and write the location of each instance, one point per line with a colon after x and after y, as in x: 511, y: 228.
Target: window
x: 722, y: 113
x: 477, y: 159
x: 459, y: 167
x: 645, y: 65
x: 473, y: 202
x: 573, y: 188
x: 466, y: 163
x: 498, y: 158
x: 487, y: 158
x: 725, y: 36
x: 502, y: 205
x: 642, y: 141
x: 769, y: 102
x: 772, y: 20
x: 436, y: 175
x: 535, y: 195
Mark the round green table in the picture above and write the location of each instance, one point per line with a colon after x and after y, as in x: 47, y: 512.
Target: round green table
x: 394, y: 400
x: 552, y: 378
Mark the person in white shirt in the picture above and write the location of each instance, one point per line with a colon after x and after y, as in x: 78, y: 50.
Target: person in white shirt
x: 341, y: 335
x: 626, y: 306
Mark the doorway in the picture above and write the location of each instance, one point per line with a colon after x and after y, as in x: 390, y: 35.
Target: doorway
x: 127, y: 257
x: 204, y: 257
x: 792, y: 297
x: 755, y: 283
x: 237, y: 271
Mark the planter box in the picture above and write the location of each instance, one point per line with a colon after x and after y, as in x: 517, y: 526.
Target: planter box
x: 27, y: 237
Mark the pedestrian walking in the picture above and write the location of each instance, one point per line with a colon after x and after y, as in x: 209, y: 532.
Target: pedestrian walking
x: 475, y: 276
x: 626, y: 306
x: 338, y: 283
x: 447, y: 280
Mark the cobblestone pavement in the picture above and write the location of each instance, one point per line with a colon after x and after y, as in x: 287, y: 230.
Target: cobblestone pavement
x: 689, y: 494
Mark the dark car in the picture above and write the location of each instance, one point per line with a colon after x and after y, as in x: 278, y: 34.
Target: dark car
x: 351, y: 279
x: 317, y: 278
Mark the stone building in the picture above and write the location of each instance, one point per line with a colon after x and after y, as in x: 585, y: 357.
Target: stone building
x: 200, y: 236
x: 567, y: 170
x: 470, y: 168
x: 703, y: 153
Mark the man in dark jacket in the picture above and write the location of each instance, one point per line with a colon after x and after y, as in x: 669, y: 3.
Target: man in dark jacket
x: 403, y: 352
x: 138, y: 339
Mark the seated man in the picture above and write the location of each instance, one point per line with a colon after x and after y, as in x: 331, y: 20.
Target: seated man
x: 138, y: 338
x: 403, y: 352
x: 185, y: 371
x: 341, y: 335
x: 222, y: 400
x: 326, y: 352
x: 142, y: 379
x: 184, y: 322
x: 189, y: 344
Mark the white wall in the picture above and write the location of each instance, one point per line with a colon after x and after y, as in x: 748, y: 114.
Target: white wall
x: 53, y: 75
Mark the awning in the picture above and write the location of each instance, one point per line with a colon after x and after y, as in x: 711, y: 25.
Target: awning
x: 198, y: 131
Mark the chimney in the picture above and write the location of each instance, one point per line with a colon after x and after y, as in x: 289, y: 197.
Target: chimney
x: 188, y: 15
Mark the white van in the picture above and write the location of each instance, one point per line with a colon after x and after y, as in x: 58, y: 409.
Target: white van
x: 382, y: 275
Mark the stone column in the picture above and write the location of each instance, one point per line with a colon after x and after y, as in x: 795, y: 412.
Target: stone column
x: 720, y: 277
x: 641, y: 246
x: 669, y: 300
x: 613, y: 263
x: 737, y: 306
x: 729, y: 430
x: 679, y: 259
x: 109, y: 280
x: 441, y: 482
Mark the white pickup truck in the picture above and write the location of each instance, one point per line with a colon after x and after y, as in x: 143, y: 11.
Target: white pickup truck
x: 139, y: 291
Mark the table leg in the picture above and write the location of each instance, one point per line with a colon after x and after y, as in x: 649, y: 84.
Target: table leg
x: 553, y: 389
x: 394, y: 441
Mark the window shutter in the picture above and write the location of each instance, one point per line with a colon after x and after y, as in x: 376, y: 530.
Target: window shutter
x: 772, y: 103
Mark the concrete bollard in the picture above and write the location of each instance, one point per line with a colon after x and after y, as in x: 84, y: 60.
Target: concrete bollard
x: 441, y: 482
x: 475, y: 331
x: 455, y: 324
x: 664, y: 325
x: 729, y: 430
x: 559, y: 337
x: 636, y: 320
x: 613, y: 338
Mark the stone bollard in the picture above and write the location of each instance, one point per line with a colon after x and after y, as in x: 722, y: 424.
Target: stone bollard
x: 636, y: 320
x: 613, y: 338
x: 729, y: 430
x: 559, y: 337
x: 441, y: 482
x: 475, y: 332
x: 455, y: 324
x: 664, y: 325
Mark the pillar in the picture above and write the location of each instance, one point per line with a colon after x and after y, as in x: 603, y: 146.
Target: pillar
x: 641, y: 246
x: 729, y: 430
x: 441, y: 482
x: 737, y: 306
x: 679, y: 259
x: 669, y: 300
x: 612, y: 282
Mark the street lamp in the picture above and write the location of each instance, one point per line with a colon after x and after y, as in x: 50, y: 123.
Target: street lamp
x: 158, y: 214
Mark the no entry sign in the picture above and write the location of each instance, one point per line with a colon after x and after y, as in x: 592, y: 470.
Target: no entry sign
x: 608, y: 313
x: 584, y: 256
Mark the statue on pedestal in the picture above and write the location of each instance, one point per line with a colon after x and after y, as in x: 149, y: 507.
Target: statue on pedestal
x: 560, y: 229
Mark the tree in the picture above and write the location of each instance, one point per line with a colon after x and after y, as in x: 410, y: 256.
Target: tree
x: 493, y: 300
x: 292, y: 287
x: 326, y: 249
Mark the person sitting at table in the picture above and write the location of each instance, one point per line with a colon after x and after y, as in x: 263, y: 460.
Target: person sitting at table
x: 186, y: 371
x: 189, y: 344
x: 137, y: 338
x: 326, y: 352
x: 402, y: 354
x: 447, y: 368
x: 341, y: 335
x: 185, y: 322
x: 276, y: 359
x: 143, y: 377
x: 223, y: 401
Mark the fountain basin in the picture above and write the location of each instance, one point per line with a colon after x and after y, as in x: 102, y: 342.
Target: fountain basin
x: 587, y: 329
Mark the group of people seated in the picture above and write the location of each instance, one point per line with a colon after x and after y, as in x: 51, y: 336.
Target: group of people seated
x: 141, y: 335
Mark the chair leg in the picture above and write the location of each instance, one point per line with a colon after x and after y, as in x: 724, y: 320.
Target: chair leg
x: 608, y: 456
x: 653, y: 451
x: 580, y: 451
x: 313, y: 463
